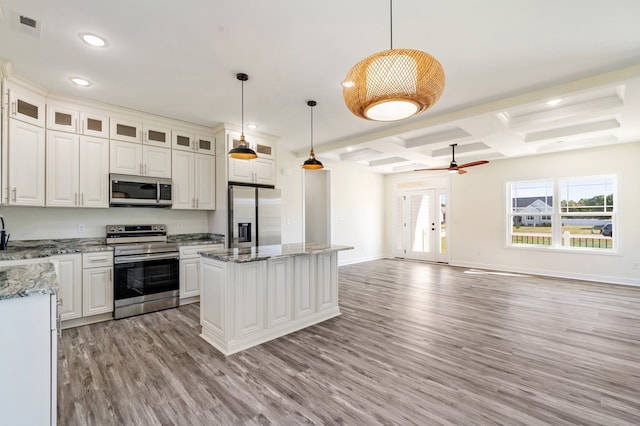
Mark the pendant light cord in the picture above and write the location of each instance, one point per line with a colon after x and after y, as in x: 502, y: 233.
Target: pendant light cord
x: 391, y: 22
x: 312, y: 128
x: 242, y: 108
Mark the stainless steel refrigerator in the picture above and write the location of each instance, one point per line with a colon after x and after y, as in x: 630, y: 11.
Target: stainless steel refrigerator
x: 254, y: 216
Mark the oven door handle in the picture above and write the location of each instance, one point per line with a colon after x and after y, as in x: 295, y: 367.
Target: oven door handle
x: 145, y: 257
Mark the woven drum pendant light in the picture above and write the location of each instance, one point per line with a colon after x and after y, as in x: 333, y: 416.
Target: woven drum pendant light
x: 393, y: 84
x: 312, y: 163
x: 242, y: 151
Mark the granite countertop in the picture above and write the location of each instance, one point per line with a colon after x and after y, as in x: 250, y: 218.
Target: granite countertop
x: 195, y: 239
x: 253, y: 254
x: 32, y: 249
x: 28, y: 280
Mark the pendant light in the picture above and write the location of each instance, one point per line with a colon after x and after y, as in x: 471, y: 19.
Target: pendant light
x: 393, y: 84
x: 311, y: 163
x: 242, y: 151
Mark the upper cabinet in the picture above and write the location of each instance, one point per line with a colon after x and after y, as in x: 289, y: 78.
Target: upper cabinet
x: 123, y: 129
x: 26, y: 106
x: 70, y: 118
x: 156, y: 134
x: 186, y: 140
x: 26, y: 161
x: 261, y: 170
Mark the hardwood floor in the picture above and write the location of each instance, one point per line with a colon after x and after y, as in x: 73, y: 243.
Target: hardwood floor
x: 416, y: 343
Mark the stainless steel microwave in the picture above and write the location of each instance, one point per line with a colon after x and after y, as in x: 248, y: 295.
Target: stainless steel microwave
x: 139, y: 191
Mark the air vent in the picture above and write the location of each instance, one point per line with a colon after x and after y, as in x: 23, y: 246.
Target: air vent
x: 30, y: 22
x: 26, y: 24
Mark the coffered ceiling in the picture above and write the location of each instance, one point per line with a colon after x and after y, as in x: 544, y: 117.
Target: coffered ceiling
x: 503, y: 61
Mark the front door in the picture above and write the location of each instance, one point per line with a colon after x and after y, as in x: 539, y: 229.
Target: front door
x: 419, y: 225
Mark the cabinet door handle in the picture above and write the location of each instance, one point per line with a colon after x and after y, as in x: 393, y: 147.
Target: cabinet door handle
x: 15, y: 195
x: 75, y: 199
x: 82, y: 198
x: 197, y: 203
x: 193, y: 202
x: 13, y: 108
x: 82, y: 126
x: 140, y: 168
x: 111, y: 275
x: 145, y: 169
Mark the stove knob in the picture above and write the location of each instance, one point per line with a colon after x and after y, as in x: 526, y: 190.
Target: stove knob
x: 162, y: 227
x: 112, y: 229
x: 121, y: 229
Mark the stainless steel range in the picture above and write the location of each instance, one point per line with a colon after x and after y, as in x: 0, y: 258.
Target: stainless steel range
x: 146, y: 274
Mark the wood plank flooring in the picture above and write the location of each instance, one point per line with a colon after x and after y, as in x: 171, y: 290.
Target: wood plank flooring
x: 416, y: 343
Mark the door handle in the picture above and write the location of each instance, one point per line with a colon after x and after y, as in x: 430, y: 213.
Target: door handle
x: 15, y: 195
x: 157, y: 190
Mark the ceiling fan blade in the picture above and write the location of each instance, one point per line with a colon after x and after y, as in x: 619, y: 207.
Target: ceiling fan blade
x: 461, y: 172
x: 438, y: 168
x: 474, y: 163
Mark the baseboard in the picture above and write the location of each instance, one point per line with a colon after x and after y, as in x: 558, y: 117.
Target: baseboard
x: 359, y: 260
x: 550, y: 273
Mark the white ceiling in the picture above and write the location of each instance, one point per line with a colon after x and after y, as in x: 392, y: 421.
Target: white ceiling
x: 503, y: 60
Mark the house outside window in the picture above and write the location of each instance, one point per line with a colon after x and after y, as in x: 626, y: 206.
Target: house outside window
x: 583, y: 219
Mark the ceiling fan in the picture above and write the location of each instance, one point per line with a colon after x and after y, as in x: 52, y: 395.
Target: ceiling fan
x: 453, y: 166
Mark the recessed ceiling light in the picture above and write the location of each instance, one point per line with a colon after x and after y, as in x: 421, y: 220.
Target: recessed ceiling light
x: 252, y: 125
x: 93, y: 39
x: 80, y: 81
x: 553, y: 102
x: 349, y: 148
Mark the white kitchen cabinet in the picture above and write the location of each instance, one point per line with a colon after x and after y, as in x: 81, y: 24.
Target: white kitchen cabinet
x: 26, y: 164
x: 261, y: 170
x: 156, y: 134
x: 62, y: 118
x: 279, y: 295
x: 304, y: 294
x: 156, y: 161
x: 123, y: 129
x: 248, y: 298
x: 94, y: 123
x: 327, y: 282
x: 26, y: 105
x: 69, y: 271
x: 193, y: 181
x: 71, y: 118
x: 77, y: 170
x: 140, y: 160
x: 97, y: 283
x: 28, y: 371
x: 186, y: 140
x: 190, y: 269
x: 94, y: 172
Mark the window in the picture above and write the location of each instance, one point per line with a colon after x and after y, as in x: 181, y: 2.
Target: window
x: 568, y: 213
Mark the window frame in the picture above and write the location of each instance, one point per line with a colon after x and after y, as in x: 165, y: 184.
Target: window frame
x: 557, y: 214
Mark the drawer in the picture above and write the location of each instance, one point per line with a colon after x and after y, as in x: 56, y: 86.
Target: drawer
x: 97, y: 259
x: 192, y: 251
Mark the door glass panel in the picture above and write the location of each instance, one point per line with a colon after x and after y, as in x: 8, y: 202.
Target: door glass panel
x: 125, y: 130
x: 25, y: 108
x: 93, y: 124
x: 63, y: 119
x: 263, y: 149
x: 154, y: 135
x: 204, y: 144
x: 443, y: 224
x: 420, y: 222
x: 183, y: 140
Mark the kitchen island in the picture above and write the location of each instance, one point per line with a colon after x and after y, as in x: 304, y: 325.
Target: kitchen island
x: 252, y: 295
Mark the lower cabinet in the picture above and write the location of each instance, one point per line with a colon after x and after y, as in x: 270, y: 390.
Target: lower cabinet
x: 28, y: 371
x: 190, y: 269
x: 247, y: 303
x: 86, y: 285
x: 69, y: 269
x: 97, y: 291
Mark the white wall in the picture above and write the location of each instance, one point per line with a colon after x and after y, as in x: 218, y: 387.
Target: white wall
x: 35, y: 223
x: 357, y: 205
x: 477, y: 230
